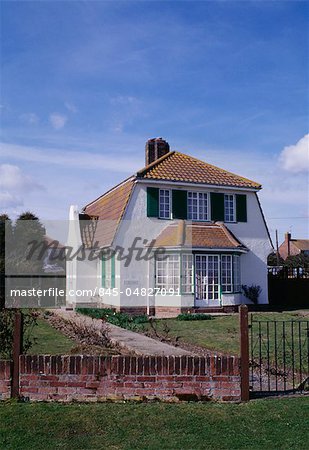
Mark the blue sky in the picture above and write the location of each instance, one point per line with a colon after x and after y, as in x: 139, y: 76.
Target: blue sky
x: 84, y: 84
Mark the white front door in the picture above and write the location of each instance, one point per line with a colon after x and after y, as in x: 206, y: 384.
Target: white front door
x: 207, y: 280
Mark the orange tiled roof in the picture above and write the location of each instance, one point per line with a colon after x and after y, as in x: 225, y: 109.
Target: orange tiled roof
x: 104, y: 215
x: 301, y: 244
x: 176, y: 166
x: 198, y: 235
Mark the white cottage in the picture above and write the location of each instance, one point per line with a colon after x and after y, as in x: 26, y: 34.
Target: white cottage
x: 179, y: 235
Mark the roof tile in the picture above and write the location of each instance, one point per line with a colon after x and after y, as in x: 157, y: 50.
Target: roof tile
x: 105, y: 214
x: 176, y: 166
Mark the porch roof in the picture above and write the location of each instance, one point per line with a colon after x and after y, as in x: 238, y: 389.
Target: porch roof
x: 198, y: 235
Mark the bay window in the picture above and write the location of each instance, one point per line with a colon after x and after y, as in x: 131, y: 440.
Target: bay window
x: 187, y: 282
x: 168, y: 272
x: 236, y: 273
x: 207, y: 274
x: 230, y: 273
x: 226, y: 273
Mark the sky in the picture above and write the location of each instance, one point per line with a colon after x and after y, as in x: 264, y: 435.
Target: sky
x: 84, y: 84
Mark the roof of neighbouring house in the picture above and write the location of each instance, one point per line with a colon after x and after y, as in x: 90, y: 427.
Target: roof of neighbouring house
x: 301, y: 244
x: 176, y: 166
x: 197, y: 235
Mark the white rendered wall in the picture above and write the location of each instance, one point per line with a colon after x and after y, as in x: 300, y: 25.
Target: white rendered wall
x: 253, y: 234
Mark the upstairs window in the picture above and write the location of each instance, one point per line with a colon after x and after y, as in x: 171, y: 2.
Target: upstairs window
x: 164, y: 204
x: 198, y: 206
x: 229, y: 208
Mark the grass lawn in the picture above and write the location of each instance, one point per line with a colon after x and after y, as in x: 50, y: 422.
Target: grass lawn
x: 50, y: 341
x: 260, y: 424
x: 221, y: 333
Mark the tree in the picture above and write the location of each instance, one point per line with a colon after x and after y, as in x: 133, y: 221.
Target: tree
x: 5, y: 231
x: 26, y: 231
x: 13, y: 243
x: 273, y: 260
x: 300, y: 260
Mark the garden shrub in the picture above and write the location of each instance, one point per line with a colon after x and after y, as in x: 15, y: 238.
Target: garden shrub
x: 120, y: 319
x: 252, y: 292
x: 7, y: 329
x: 197, y: 316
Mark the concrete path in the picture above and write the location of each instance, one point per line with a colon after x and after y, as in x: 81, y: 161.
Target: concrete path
x: 128, y: 340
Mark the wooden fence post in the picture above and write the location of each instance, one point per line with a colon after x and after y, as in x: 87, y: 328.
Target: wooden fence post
x: 244, y: 352
x: 17, y: 350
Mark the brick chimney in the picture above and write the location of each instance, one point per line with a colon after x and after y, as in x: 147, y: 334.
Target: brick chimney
x: 155, y: 148
x: 288, y: 240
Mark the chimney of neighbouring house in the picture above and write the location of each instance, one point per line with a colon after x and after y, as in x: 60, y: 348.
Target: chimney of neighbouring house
x: 288, y: 240
x: 155, y: 148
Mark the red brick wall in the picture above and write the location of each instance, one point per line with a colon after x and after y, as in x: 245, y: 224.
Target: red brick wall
x: 5, y: 380
x: 91, y: 378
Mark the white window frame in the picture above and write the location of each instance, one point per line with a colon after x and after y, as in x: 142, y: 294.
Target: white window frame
x: 229, y: 216
x: 187, y: 273
x: 207, y: 277
x: 108, y: 273
x: 202, y: 213
x: 163, y: 213
x: 168, y: 272
x: 236, y: 274
x: 230, y: 282
x: 226, y: 273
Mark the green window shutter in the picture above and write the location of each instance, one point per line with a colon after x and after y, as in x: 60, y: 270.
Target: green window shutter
x: 152, y: 202
x: 103, y: 272
x: 113, y: 271
x: 179, y: 202
x: 241, y: 208
x: 217, y: 206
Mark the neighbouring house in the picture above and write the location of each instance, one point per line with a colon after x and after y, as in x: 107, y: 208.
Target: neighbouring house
x: 200, y: 233
x: 293, y: 247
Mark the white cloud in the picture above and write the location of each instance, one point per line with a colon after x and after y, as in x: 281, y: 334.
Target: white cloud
x: 57, y: 120
x: 8, y: 200
x: 30, y: 118
x: 15, y: 187
x: 13, y: 179
x: 295, y: 158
